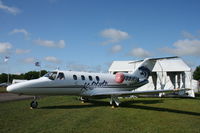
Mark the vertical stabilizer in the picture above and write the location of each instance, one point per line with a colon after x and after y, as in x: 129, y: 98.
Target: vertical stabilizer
x: 144, y: 70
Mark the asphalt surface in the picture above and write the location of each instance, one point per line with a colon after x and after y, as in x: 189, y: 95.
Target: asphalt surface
x: 4, y: 97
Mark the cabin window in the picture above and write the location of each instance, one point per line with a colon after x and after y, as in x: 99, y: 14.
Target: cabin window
x: 90, y: 77
x: 97, y: 78
x: 61, y: 76
x: 82, y: 77
x: 74, y: 77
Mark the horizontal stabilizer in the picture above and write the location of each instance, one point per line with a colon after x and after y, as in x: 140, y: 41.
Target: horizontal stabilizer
x: 154, y: 59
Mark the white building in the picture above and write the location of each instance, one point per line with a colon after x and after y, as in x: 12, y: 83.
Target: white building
x: 166, y: 74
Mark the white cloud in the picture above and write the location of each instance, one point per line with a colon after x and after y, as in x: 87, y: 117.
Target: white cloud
x: 113, y: 35
x: 23, y: 31
x: 139, y: 52
x: 116, y: 49
x: 51, y: 66
x: 5, y: 47
x: 184, y: 47
x: 29, y: 60
x: 48, y: 43
x: 22, y: 51
x: 12, y: 10
x: 77, y: 67
x: 82, y: 67
x: 189, y: 35
x: 52, y: 59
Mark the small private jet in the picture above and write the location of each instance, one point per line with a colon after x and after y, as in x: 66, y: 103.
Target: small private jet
x: 87, y: 85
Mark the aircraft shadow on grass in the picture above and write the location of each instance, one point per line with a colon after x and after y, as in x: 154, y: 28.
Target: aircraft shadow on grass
x: 162, y: 109
x: 90, y: 104
x: 126, y: 104
x: 95, y: 103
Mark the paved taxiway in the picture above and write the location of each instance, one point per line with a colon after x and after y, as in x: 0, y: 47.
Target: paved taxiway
x: 12, y: 97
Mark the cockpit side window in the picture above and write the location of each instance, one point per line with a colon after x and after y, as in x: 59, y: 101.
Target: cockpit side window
x: 61, y: 76
x: 51, y: 75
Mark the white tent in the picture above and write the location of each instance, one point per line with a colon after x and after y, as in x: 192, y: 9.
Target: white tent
x: 166, y: 74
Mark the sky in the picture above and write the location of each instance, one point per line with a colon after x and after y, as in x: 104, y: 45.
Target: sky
x: 87, y: 35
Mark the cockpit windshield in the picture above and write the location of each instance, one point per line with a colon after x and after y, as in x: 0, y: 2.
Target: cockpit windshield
x: 51, y: 75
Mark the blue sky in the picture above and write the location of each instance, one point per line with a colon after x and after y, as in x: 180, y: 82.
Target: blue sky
x: 90, y: 34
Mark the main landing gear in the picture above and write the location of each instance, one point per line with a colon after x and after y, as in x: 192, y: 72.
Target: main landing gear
x: 84, y: 99
x: 114, y: 101
x: 34, y: 103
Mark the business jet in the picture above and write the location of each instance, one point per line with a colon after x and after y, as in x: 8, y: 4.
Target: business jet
x: 89, y: 85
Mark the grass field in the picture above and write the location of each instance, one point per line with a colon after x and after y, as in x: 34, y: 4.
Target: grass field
x: 65, y: 114
x: 2, y: 89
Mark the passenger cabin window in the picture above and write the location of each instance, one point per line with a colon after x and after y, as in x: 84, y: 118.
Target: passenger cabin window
x: 74, y: 77
x: 61, y: 76
x: 90, y: 78
x: 97, y: 78
x: 51, y: 75
x: 82, y: 77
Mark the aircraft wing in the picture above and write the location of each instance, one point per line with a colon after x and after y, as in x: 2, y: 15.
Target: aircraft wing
x: 126, y: 93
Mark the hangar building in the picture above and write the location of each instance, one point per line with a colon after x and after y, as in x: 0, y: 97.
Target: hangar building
x: 167, y: 74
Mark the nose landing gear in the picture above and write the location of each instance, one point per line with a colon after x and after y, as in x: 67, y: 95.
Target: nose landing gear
x: 34, y: 103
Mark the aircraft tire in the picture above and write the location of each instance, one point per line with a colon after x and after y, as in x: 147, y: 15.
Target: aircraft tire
x: 84, y: 99
x: 34, y: 104
x: 114, y: 105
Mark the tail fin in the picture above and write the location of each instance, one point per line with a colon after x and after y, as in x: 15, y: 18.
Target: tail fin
x: 144, y: 70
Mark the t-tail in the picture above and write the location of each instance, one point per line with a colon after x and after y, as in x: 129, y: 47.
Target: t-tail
x: 144, y: 70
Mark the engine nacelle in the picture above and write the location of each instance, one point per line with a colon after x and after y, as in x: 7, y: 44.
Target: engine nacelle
x: 119, y: 77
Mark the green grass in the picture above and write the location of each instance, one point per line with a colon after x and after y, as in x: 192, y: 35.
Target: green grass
x: 64, y: 114
x: 2, y: 89
x: 197, y: 94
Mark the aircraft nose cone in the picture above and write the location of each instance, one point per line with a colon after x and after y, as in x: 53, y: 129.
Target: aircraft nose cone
x: 12, y: 88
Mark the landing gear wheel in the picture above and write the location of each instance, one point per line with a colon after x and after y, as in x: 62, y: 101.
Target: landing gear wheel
x: 84, y: 99
x: 114, y: 105
x: 33, y: 104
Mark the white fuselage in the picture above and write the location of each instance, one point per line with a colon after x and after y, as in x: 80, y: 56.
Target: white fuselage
x: 89, y: 85
x: 72, y: 83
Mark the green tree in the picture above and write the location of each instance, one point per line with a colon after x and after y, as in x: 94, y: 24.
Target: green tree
x: 28, y: 76
x: 3, y: 78
x: 196, y: 74
x: 31, y: 75
x: 43, y: 72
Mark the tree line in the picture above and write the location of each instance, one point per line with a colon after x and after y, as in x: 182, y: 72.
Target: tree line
x: 24, y: 76
x: 196, y: 74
